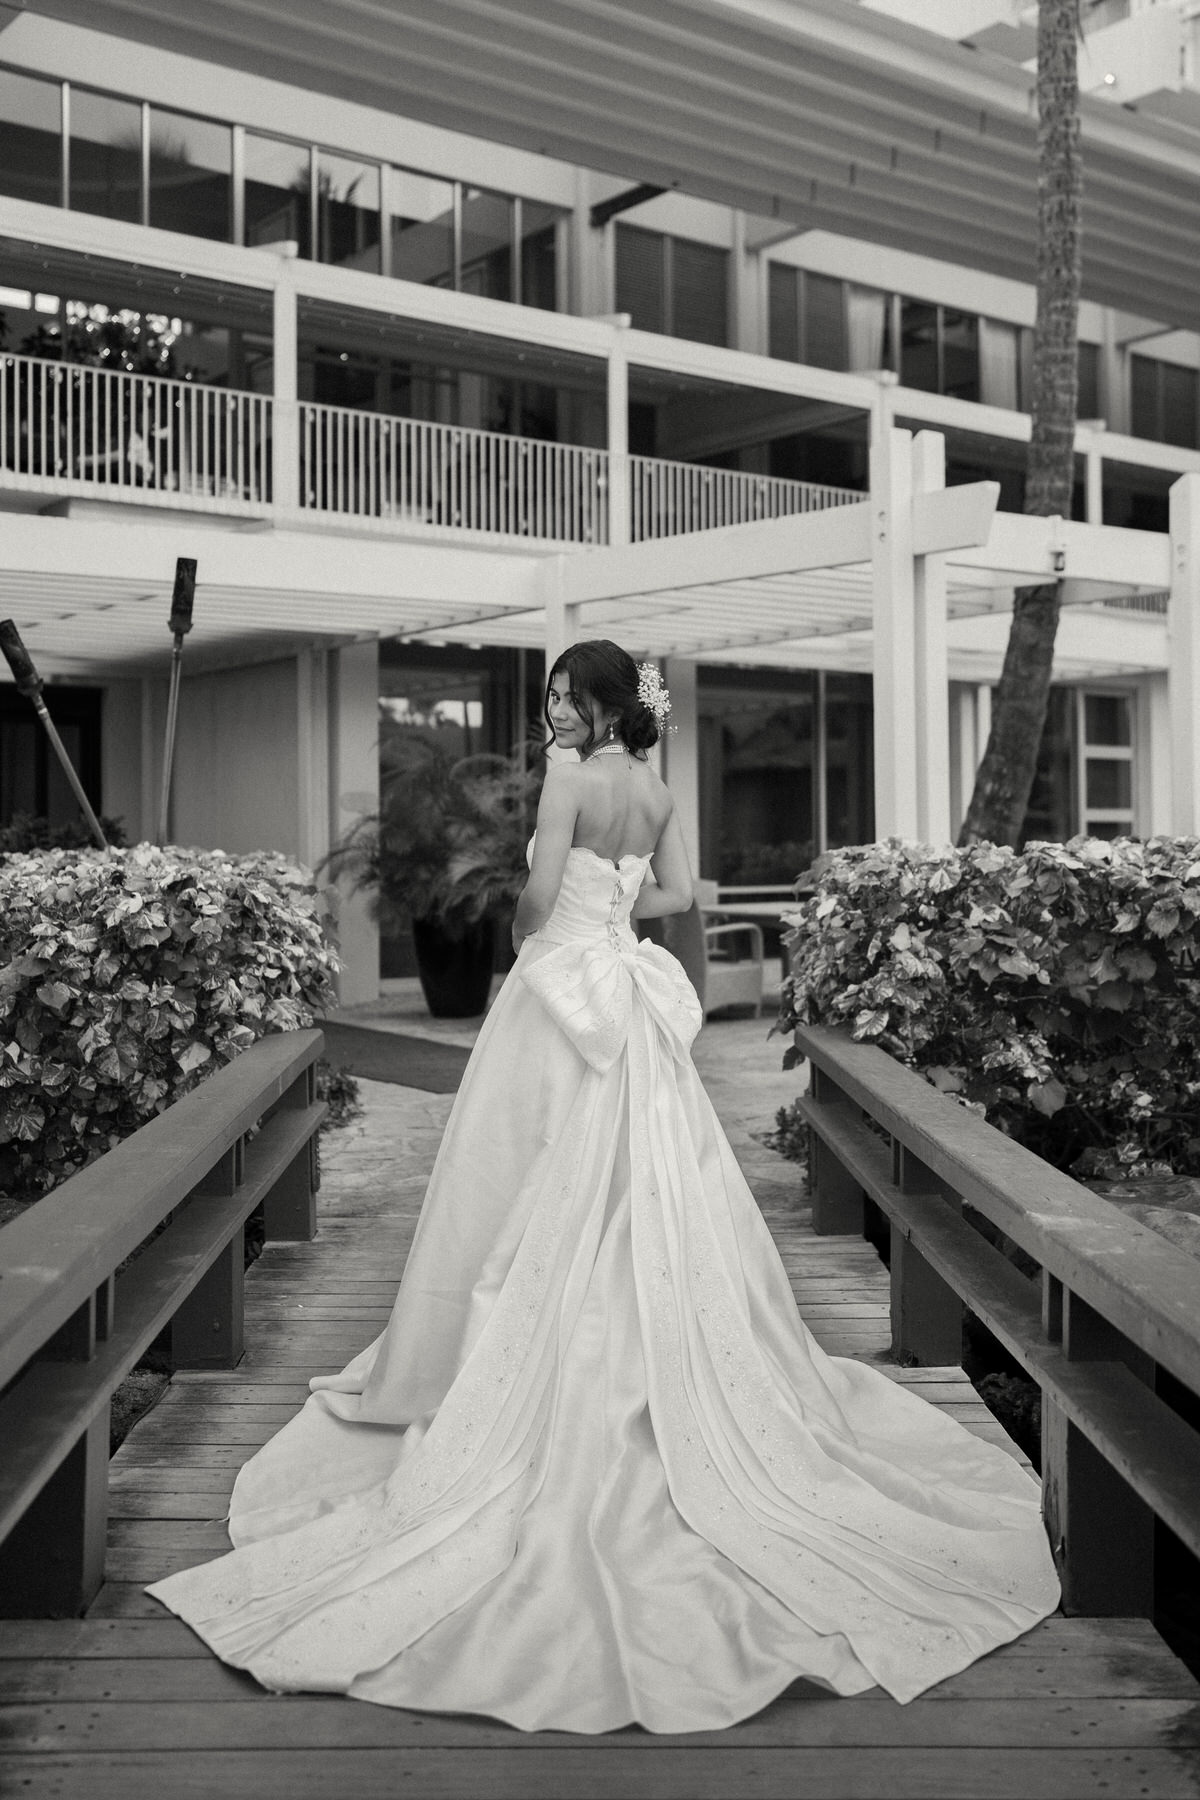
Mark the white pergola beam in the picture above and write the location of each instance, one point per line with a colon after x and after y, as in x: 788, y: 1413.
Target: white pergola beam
x: 817, y: 540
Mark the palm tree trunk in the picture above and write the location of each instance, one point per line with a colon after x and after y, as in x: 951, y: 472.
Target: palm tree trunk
x: 1005, y: 777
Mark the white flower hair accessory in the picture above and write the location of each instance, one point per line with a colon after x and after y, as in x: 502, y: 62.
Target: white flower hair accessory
x: 652, y: 694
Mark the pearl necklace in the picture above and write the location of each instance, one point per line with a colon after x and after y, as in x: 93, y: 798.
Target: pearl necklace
x: 606, y: 750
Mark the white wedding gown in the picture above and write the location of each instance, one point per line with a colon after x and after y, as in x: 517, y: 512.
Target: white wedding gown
x: 596, y: 1470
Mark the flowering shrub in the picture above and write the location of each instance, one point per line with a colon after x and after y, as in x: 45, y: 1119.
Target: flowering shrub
x: 127, y: 977
x: 1055, y: 990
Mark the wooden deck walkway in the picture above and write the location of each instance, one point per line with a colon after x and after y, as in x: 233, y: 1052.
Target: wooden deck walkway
x: 128, y: 1705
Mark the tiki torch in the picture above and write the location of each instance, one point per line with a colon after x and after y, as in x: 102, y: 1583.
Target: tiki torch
x: 29, y: 683
x: 180, y: 622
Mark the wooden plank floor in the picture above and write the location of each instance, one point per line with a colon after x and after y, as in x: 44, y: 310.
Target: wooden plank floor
x: 127, y: 1704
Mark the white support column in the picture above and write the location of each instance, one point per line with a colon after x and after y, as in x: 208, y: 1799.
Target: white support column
x: 894, y: 634
x: 353, y: 792
x: 682, y: 756
x: 312, y: 747
x: 1183, y: 656
x: 618, y: 441
x: 1094, y: 476
x: 285, y: 425
x: 562, y: 627
x: 931, y: 672
x: 745, y: 312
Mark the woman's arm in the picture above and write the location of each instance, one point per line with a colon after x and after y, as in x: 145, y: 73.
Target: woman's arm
x: 558, y: 810
x: 673, y: 890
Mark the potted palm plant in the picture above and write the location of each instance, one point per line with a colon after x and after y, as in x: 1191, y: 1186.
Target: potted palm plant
x: 445, y: 855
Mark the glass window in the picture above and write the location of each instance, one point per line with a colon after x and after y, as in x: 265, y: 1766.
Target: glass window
x: 278, y: 192
x: 1051, y: 811
x: 866, y: 328
x: 757, y: 772
x: 422, y: 228
x: 487, y: 240
x: 919, y: 346
x: 1143, y: 396
x: 700, y: 292
x: 348, y: 212
x: 849, y: 760
x: 999, y: 364
x: 824, y: 321
x: 539, y: 255
x: 190, y: 174
x: 783, y: 312
x: 1109, y: 784
x: 1107, y: 719
x: 641, y: 277
x: 1178, y: 420
x: 30, y: 138
x: 960, y: 354
x: 106, y: 156
x: 1088, y: 403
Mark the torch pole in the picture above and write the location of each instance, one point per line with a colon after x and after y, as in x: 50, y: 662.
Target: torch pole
x: 29, y: 683
x: 180, y: 622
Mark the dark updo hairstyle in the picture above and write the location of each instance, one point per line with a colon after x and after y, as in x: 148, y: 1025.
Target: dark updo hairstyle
x: 601, y: 671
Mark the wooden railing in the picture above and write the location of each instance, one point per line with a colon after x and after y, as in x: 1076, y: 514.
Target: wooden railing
x: 65, y: 428
x: 412, y: 471
x: 78, y: 1307
x: 669, y: 497
x: 1109, y: 1328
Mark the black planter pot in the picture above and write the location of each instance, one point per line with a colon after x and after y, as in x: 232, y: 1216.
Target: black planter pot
x: 455, y: 972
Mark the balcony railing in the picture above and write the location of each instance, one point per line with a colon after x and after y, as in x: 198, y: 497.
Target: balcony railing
x: 65, y: 428
x: 670, y: 497
x: 71, y: 430
x: 371, y: 466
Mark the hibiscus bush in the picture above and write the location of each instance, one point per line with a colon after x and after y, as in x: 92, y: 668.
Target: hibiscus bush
x: 126, y: 977
x: 1055, y: 990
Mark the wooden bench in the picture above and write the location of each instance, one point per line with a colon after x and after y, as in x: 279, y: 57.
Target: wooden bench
x: 1109, y: 1328
x: 150, y: 1235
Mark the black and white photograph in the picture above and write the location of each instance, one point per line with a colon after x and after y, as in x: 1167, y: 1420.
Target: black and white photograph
x: 600, y: 899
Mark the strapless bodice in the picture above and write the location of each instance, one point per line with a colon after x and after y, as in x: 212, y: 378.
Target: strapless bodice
x: 588, y: 969
x: 595, y: 900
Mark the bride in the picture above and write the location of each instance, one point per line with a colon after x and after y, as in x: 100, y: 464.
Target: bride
x: 595, y: 1470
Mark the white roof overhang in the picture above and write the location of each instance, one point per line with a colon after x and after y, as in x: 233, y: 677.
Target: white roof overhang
x: 90, y: 595
x: 817, y: 113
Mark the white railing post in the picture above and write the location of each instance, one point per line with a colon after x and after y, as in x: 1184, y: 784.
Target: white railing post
x: 285, y: 434
x: 618, y: 441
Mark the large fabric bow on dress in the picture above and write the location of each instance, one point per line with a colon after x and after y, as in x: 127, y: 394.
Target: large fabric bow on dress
x: 588, y: 989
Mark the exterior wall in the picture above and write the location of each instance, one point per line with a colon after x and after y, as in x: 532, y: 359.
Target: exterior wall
x: 236, y: 784
x: 121, y: 795
x: 353, y: 791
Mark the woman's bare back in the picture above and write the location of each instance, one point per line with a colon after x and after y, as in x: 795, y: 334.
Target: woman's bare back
x: 624, y: 807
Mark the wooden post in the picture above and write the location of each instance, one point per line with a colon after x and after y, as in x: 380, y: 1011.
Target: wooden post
x: 52, y: 1562
x: 927, y: 1314
x: 290, y: 1209
x: 837, y: 1199
x: 207, y: 1331
x: 1101, y: 1532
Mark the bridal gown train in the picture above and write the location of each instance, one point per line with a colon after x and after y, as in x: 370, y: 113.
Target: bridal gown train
x: 596, y: 1470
